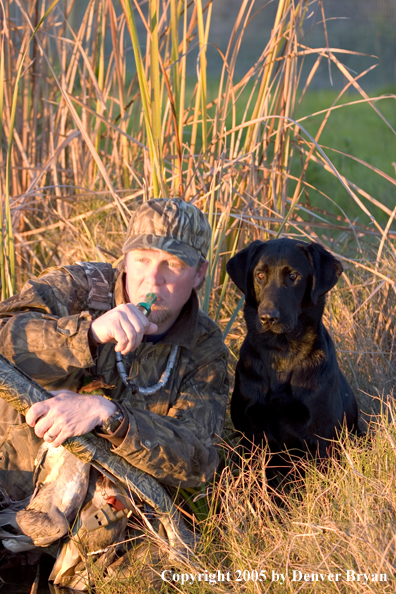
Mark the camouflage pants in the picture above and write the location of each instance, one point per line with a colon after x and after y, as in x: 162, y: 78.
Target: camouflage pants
x: 97, y: 550
x: 18, y: 449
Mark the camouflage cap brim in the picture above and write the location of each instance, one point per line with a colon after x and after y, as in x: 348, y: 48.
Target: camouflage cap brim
x: 172, y: 225
x: 181, y: 250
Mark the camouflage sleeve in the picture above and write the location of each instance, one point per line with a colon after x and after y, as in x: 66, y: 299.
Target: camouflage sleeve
x: 179, y: 449
x: 42, y: 327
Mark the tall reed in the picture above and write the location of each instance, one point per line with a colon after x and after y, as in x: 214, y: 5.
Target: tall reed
x: 100, y: 114
x: 89, y: 127
x: 127, y: 127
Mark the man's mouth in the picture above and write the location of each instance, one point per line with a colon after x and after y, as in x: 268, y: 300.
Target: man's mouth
x: 158, y: 306
x: 158, y: 302
x: 143, y: 298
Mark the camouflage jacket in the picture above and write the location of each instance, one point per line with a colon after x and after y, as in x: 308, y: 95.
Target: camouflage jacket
x: 171, y: 434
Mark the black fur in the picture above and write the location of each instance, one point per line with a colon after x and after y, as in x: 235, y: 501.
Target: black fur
x: 289, y: 390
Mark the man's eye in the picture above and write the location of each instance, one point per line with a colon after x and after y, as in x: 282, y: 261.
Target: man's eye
x: 142, y: 261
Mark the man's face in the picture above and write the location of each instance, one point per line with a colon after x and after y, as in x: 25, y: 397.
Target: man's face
x: 156, y: 271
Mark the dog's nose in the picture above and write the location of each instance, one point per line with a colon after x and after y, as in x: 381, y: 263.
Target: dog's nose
x: 271, y: 315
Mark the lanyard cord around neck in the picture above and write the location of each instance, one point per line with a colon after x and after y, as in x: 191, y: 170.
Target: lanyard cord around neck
x: 163, y: 379
x: 145, y: 308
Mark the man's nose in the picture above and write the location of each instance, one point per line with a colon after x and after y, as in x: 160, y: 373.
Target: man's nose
x: 154, y: 274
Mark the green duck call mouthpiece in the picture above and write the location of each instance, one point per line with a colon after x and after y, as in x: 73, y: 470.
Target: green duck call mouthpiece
x: 145, y: 306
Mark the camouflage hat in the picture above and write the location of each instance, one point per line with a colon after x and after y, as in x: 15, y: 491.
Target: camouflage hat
x: 172, y: 225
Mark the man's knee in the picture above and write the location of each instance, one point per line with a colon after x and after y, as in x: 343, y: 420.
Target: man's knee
x: 18, y: 449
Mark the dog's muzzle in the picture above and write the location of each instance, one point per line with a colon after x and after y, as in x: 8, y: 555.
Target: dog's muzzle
x: 272, y: 320
x: 269, y: 316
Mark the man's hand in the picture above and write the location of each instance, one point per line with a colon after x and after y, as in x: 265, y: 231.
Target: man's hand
x: 68, y: 414
x: 124, y: 325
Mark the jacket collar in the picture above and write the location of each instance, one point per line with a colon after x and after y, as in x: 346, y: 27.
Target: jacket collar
x: 183, y: 331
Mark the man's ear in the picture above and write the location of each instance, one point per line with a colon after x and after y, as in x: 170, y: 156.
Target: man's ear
x: 326, y: 270
x: 238, y: 266
x: 200, y: 275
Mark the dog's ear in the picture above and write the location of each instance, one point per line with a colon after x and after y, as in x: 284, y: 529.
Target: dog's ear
x: 326, y: 270
x: 238, y: 266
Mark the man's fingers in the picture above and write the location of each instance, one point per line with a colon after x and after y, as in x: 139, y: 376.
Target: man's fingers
x: 125, y: 335
x: 50, y: 435
x: 133, y: 336
x: 152, y: 328
x: 35, y: 412
x: 121, y: 340
x: 130, y: 331
x: 68, y: 414
x: 44, y: 425
x: 60, y: 438
x: 125, y: 325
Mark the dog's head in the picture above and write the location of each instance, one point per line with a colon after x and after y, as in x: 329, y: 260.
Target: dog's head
x: 281, y: 277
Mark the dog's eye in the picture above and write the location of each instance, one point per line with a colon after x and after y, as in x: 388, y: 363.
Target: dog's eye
x: 260, y: 275
x: 293, y: 276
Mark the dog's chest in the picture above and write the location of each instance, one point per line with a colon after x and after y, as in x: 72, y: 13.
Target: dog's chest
x: 284, y: 372
x: 282, y: 377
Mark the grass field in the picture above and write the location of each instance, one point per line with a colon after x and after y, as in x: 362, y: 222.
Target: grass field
x: 355, y: 132
x: 354, y: 136
x: 81, y: 144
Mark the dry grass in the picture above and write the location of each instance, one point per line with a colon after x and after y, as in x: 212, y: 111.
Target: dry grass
x: 86, y: 136
x: 336, y: 520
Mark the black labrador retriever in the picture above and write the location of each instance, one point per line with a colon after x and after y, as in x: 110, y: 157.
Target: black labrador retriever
x: 289, y: 390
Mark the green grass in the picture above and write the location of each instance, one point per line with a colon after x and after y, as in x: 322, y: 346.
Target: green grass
x: 357, y: 131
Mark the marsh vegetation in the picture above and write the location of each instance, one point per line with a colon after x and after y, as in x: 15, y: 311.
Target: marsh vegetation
x: 96, y: 116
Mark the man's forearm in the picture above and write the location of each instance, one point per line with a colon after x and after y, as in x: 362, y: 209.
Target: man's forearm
x: 177, y: 452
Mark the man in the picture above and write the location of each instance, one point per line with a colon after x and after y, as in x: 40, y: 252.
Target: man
x: 65, y: 328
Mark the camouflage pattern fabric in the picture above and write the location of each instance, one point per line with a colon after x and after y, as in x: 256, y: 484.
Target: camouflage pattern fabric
x: 39, y: 522
x: 171, y: 434
x: 175, y: 226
